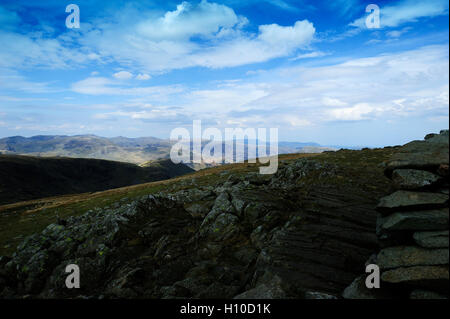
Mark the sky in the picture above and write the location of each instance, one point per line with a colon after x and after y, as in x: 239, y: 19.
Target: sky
x: 312, y: 69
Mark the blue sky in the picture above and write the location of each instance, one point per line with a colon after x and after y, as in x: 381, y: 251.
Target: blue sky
x: 141, y: 68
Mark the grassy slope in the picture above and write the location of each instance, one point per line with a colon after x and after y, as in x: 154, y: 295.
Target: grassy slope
x: 21, y: 219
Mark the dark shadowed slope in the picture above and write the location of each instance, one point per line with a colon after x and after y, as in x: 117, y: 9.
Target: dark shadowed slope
x: 27, y: 177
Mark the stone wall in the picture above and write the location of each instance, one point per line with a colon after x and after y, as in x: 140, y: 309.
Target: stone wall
x: 412, y: 225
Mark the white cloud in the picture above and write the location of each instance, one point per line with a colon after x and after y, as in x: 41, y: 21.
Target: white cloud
x: 203, y: 34
x: 188, y: 20
x: 143, y: 76
x: 123, y: 75
x: 405, y: 11
x: 271, y: 42
x: 355, y: 113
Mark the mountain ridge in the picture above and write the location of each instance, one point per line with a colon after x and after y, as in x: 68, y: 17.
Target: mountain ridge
x: 131, y: 150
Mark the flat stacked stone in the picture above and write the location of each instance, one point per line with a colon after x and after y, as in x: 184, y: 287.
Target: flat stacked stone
x: 413, y: 222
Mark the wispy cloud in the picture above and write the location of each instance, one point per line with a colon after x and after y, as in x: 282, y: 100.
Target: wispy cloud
x: 397, y: 33
x: 314, y: 54
x: 345, y: 7
x: 283, y: 5
x: 8, y: 18
x: 394, y: 86
x: 411, y: 83
x: 405, y: 11
x: 12, y: 80
x: 106, y: 86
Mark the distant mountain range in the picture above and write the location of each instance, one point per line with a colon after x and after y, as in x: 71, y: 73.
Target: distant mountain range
x: 131, y: 150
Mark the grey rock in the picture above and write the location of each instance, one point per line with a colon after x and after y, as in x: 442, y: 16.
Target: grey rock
x: 218, y: 290
x: 372, y: 260
x: 318, y: 295
x: 123, y: 286
x: 441, y: 138
x: 425, y: 276
x: 433, y: 239
x: 198, y: 209
x: 263, y: 291
x: 443, y: 190
x: 407, y: 200
x: 428, y: 136
x: 246, y: 255
x: 406, y: 256
x: 417, y: 220
x: 220, y: 226
x: 259, y: 237
x: 426, y: 294
x: 222, y: 203
x: 413, y: 178
x: 358, y: 290
x: 192, y: 284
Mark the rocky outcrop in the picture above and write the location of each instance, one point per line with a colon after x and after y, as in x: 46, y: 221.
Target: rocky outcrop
x: 301, y: 233
x: 413, y: 223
